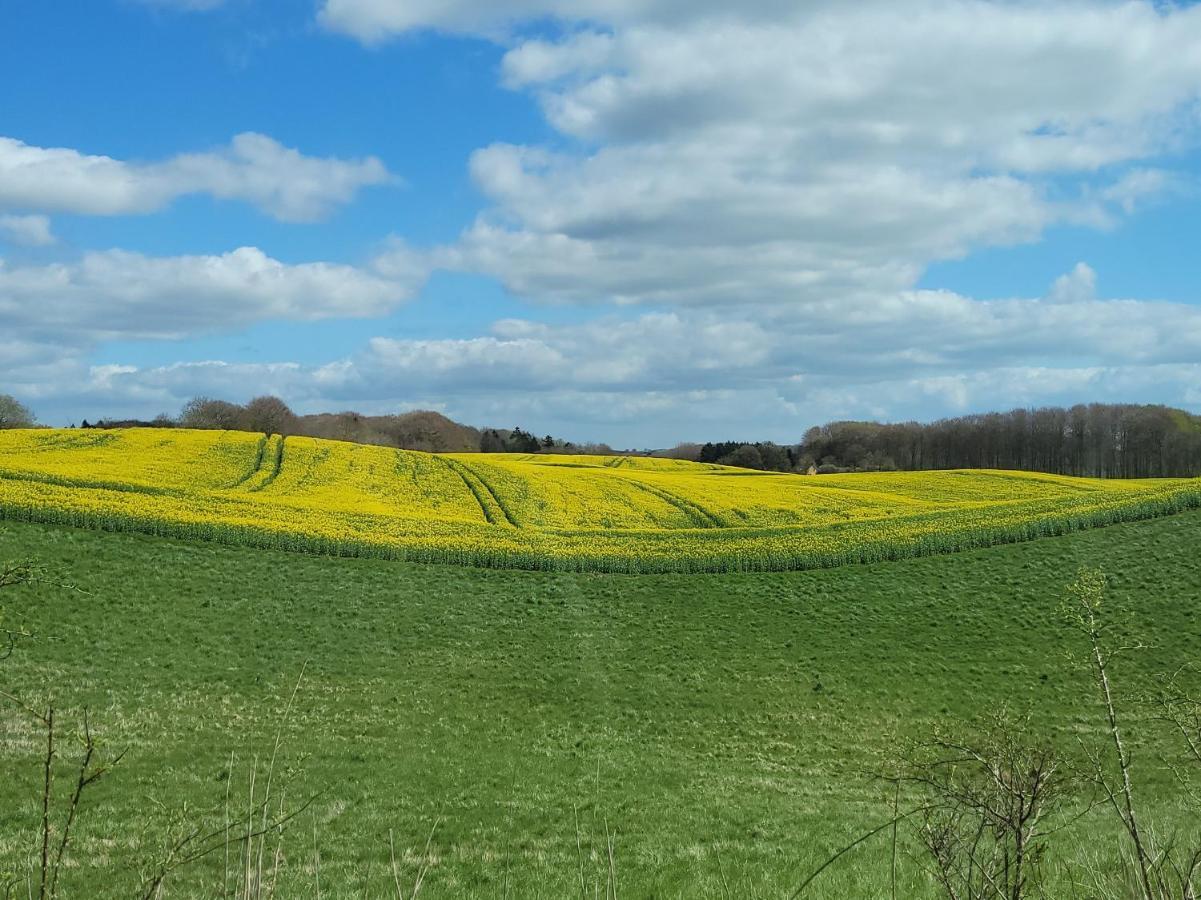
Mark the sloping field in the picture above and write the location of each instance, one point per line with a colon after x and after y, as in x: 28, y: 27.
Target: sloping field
x: 722, y: 729
x: 542, y: 512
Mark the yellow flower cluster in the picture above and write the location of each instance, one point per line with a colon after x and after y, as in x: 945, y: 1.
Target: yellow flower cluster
x: 552, y: 512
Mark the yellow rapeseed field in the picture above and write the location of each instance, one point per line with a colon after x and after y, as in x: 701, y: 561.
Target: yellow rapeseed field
x: 621, y: 514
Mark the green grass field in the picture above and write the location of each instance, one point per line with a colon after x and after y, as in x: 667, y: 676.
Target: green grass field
x: 722, y: 728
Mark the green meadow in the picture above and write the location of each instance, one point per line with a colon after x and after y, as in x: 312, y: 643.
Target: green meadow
x: 529, y: 734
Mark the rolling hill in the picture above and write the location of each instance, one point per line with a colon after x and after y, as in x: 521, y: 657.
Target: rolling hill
x: 618, y: 514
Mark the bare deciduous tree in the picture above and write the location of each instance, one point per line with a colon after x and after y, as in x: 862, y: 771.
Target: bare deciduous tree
x: 269, y: 415
x: 204, y: 412
x: 15, y: 414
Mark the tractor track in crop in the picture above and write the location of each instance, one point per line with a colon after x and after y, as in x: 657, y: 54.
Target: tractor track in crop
x: 276, y: 466
x: 260, y: 452
x: 482, y: 492
x: 700, y: 516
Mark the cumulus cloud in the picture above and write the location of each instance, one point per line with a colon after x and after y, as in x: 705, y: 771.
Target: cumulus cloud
x: 688, y: 224
x: 279, y: 180
x: 1077, y: 286
x: 1027, y: 87
x: 701, y: 372
x: 28, y: 231
x: 781, y: 153
x: 116, y: 294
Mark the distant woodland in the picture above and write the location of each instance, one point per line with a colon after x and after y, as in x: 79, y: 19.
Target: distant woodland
x: 419, y: 430
x: 1097, y: 440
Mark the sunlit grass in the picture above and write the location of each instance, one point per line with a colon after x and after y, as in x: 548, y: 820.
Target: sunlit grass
x: 718, y: 724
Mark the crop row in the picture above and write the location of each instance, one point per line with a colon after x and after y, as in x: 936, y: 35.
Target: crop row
x: 240, y: 521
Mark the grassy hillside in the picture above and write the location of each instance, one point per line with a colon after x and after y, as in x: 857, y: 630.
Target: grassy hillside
x: 554, y: 512
x: 721, y: 728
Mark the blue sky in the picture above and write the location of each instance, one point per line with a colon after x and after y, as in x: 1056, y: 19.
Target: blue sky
x: 639, y: 221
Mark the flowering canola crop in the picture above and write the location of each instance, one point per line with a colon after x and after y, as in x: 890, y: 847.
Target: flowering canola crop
x: 585, y: 513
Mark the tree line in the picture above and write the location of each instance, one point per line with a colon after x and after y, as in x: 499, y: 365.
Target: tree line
x: 418, y: 430
x: 518, y: 440
x: 763, y: 455
x: 1091, y: 440
x: 1095, y: 440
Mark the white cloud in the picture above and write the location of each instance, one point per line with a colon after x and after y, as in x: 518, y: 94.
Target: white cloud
x: 118, y: 294
x: 650, y: 352
x: 1077, y: 286
x: 278, y: 180
x: 775, y: 371
x: 784, y: 153
x: 1139, y: 187
x: 691, y: 223
x: 28, y: 231
x: 1023, y: 87
x: 705, y: 373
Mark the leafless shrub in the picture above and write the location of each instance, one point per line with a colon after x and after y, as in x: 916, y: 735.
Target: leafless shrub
x: 990, y: 801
